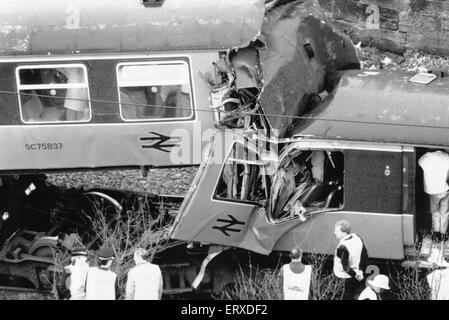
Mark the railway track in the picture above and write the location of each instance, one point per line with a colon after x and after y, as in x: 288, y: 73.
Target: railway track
x: 19, y: 293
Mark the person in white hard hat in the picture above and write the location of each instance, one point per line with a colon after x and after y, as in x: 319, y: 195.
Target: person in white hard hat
x: 375, y: 288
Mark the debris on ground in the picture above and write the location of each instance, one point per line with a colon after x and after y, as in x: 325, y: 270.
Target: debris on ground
x: 412, y: 60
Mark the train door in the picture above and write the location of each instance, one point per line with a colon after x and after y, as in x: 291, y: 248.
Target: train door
x: 433, y: 246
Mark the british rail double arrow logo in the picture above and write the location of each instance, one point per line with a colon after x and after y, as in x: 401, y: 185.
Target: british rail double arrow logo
x: 162, y: 142
x: 226, y: 228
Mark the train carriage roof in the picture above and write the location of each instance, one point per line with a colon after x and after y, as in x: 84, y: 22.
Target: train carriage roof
x: 381, y: 106
x: 67, y: 26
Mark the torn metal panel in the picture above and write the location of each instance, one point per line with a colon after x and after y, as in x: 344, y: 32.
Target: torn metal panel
x: 302, y: 47
x: 247, y: 68
x: 69, y: 26
x: 382, y: 106
x: 235, y: 89
x: 282, y: 72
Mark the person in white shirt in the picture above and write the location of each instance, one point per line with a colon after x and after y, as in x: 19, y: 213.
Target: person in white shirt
x: 102, y: 282
x: 76, y: 99
x: 144, y: 280
x: 78, y: 270
x: 296, y: 277
x: 438, y: 281
x: 53, y: 105
x: 375, y: 288
x: 435, y: 167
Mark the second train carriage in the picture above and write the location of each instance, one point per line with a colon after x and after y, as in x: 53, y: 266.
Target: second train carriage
x: 361, y: 144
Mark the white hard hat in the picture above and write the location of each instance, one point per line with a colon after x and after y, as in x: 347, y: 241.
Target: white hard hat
x: 380, y: 281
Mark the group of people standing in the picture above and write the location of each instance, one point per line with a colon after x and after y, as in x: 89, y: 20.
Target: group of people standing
x: 144, y: 281
x: 350, y: 259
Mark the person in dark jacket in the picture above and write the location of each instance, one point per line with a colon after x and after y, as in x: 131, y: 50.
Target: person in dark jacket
x: 350, y: 259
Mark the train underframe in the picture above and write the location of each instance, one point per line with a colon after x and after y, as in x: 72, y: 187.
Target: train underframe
x: 40, y: 223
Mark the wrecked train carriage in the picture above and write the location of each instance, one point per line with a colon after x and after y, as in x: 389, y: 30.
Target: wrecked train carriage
x: 353, y: 157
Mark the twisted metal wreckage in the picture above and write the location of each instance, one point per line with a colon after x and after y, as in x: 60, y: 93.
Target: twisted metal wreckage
x: 282, y: 72
x: 264, y: 89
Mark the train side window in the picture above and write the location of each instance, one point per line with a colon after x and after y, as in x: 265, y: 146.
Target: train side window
x: 154, y: 90
x: 53, y: 93
x: 243, y: 177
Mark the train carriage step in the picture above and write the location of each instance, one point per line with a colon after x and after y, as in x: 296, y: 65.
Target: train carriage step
x: 430, y: 254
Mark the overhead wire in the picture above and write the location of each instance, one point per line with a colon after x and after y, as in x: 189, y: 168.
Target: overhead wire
x: 212, y: 110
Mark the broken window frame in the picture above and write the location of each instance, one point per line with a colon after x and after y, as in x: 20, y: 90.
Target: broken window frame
x: 28, y: 87
x: 184, y: 61
x: 262, y: 166
x: 285, y: 158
